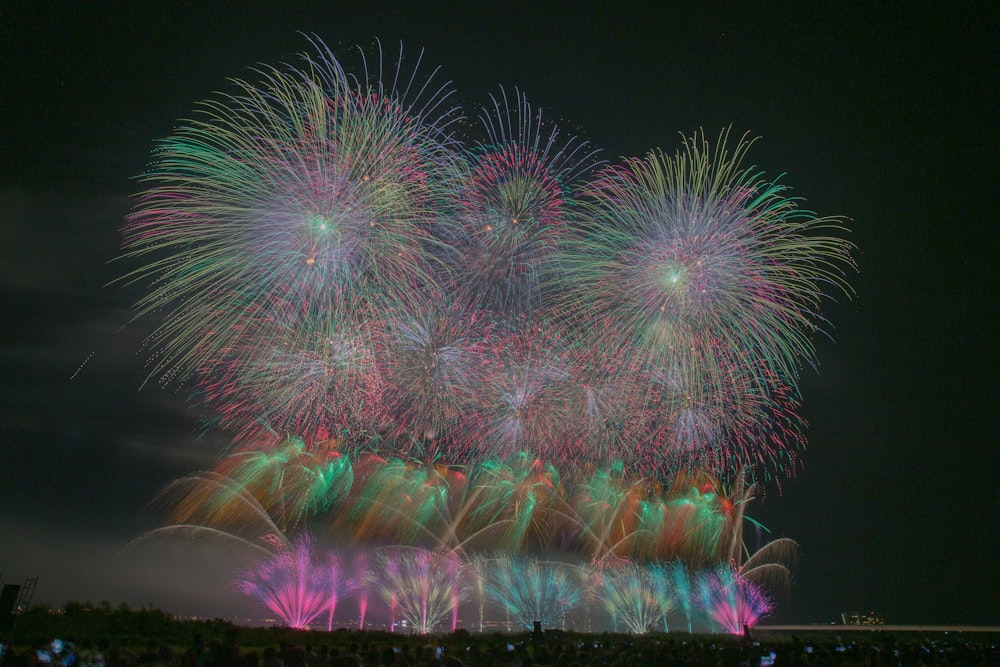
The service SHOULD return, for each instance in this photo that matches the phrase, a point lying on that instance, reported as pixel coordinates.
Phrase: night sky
(886, 116)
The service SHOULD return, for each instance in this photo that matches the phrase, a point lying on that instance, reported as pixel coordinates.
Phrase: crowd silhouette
(84, 636)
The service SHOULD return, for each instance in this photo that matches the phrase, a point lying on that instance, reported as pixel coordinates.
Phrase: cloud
(179, 578)
(85, 449)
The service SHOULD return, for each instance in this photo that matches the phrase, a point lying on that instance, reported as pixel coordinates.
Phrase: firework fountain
(531, 590)
(423, 587)
(298, 583)
(732, 601)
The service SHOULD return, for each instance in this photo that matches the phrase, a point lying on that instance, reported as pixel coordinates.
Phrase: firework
(520, 505)
(510, 505)
(732, 601)
(603, 425)
(465, 348)
(331, 263)
(297, 583)
(492, 506)
(531, 590)
(525, 402)
(363, 580)
(317, 380)
(674, 582)
(632, 596)
(770, 566)
(434, 355)
(273, 486)
(514, 206)
(290, 197)
(401, 503)
(712, 278)
(691, 518)
(291, 483)
(697, 252)
(423, 587)
(738, 418)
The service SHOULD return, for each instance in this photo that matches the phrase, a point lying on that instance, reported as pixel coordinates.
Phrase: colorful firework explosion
(331, 261)
(519, 505)
(290, 198)
(495, 344)
(514, 207)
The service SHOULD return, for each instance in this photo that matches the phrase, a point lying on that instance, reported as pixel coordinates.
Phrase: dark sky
(885, 115)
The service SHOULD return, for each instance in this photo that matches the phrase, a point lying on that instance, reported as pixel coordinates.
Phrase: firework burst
(285, 198)
(409, 337)
(514, 206)
(318, 380)
(434, 355)
(631, 595)
(697, 252)
(525, 402)
(739, 417)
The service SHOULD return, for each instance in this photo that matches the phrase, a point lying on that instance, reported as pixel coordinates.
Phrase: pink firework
(297, 584)
(732, 601)
(714, 412)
